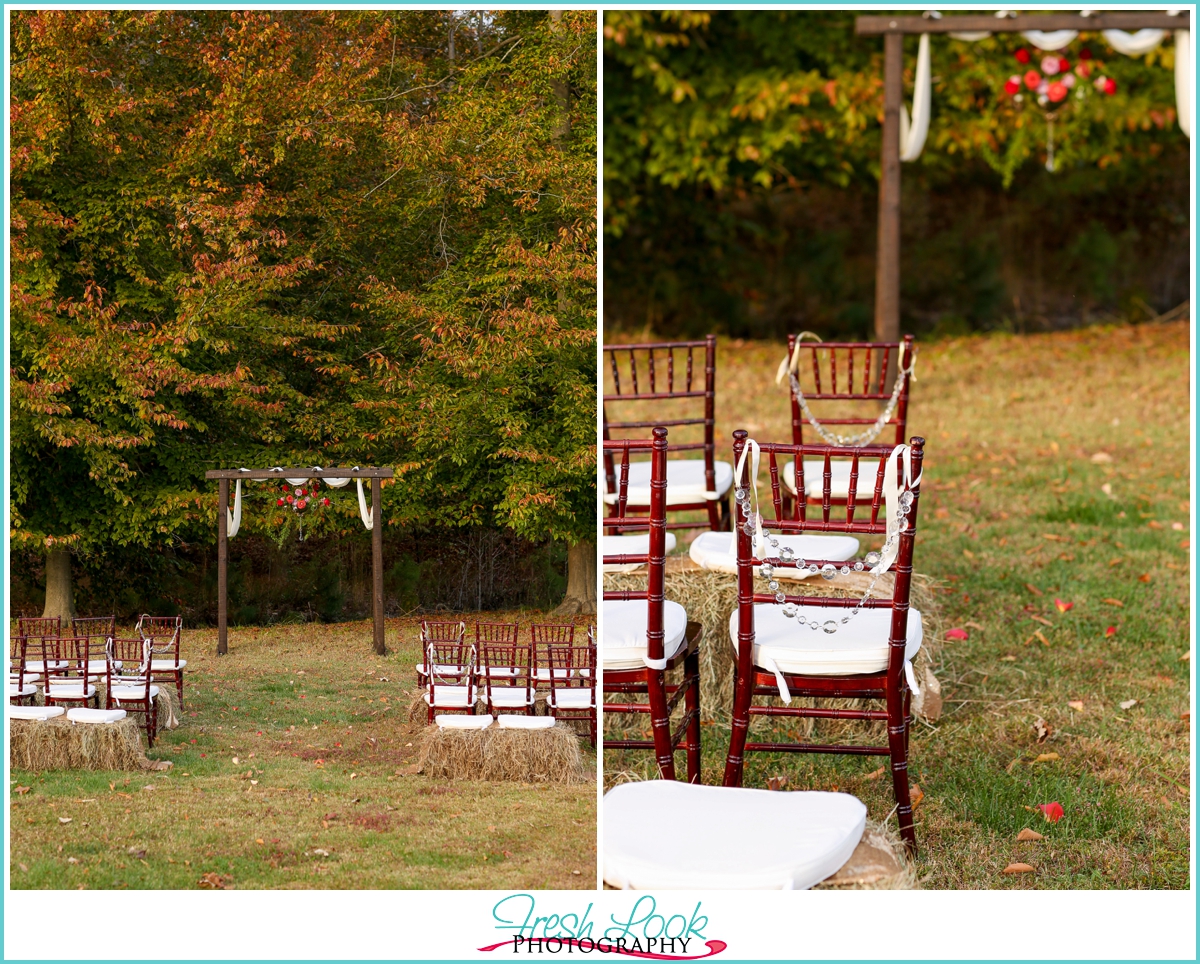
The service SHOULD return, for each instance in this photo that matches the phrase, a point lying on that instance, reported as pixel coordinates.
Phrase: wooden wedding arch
(893, 29)
(376, 475)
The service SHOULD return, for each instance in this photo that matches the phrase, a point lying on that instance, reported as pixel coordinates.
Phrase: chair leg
(660, 723)
(735, 760)
(179, 687)
(714, 515)
(691, 702)
(898, 746)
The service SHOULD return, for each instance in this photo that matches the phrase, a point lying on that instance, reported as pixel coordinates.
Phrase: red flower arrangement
(301, 498)
(1056, 79)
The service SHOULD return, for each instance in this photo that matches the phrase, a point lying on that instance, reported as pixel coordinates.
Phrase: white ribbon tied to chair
(912, 132)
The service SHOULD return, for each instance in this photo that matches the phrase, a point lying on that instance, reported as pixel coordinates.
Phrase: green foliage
(257, 238)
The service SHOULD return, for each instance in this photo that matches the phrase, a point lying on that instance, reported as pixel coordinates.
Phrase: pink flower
(1068, 81)
(1050, 65)
(299, 492)
(956, 633)
(1052, 811)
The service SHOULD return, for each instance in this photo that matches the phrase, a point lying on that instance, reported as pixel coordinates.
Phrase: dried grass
(515, 756)
(61, 745)
(889, 869)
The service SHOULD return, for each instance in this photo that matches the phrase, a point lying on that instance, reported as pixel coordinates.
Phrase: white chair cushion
(511, 696)
(525, 722)
(20, 692)
(839, 479)
(544, 674)
(500, 672)
(40, 713)
(631, 545)
(38, 666)
(442, 669)
(623, 645)
(132, 692)
(95, 716)
(452, 696)
(66, 691)
(99, 667)
(726, 838)
(463, 722)
(575, 698)
(713, 550)
(685, 482)
(164, 665)
(859, 646)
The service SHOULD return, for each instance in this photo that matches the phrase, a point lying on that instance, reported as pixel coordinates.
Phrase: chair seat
(99, 667)
(839, 478)
(450, 696)
(726, 838)
(716, 551)
(685, 482)
(574, 698)
(500, 672)
(39, 713)
(71, 691)
(543, 674)
(442, 669)
(20, 692)
(631, 545)
(39, 666)
(463, 722)
(525, 722)
(132, 693)
(623, 645)
(166, 665)
(859, 646)
(511, 696)
(95, 716)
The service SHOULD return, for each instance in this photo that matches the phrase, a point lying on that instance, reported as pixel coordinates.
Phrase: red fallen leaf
(1052, 811)
(1062, 607)
(1144, 577)
(204, 754)
(956, 634)
(1111, 631)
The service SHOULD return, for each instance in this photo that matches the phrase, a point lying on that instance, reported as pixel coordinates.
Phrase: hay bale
(878, 863)
(167, 705)
(518, 756)
(60, 745)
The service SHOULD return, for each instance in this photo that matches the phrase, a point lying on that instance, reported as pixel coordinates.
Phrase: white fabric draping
(363, 511)
(1183, 80)
(1134, 44)
(234, 521)
(1050, 40)
(912, 133)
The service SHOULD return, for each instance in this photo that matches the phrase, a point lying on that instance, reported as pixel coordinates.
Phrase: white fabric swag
(234, 517)
(914, 130)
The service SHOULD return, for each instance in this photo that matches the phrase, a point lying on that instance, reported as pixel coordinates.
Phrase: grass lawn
(293, 769)
(1020, 508)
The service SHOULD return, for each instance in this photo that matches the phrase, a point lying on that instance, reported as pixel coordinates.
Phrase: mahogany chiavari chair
(542, 635)
(819, 647)
(166, 636)
(844, 377)
(450, 678)
(573, 682)
(130, 680)
(497, 635)
(450, 637)
(100, 628)
(22, 685)
(646, 636)
(36, 629)
(71, 684)
(649, 372)
(506, 668)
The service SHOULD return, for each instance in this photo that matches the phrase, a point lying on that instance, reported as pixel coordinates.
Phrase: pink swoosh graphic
(714, 947)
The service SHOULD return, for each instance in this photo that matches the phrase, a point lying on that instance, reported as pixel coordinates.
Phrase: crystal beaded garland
(827, 571)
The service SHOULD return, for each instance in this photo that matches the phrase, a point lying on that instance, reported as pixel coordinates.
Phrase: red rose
(1012, 85)
(1085, 54)
(1063, 65)
(1084, 70)
(1032, 79)
(291, 498)
(281, 502)
(1057, 92)
(1022, 56)
(304, 492)
(301, 504)
(1110, 86)
(324, 502)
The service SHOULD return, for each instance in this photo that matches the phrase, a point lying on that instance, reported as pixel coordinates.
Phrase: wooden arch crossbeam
(376, 475)
(893, 29)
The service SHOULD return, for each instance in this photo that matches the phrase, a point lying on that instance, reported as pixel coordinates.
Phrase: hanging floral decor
(296, 501)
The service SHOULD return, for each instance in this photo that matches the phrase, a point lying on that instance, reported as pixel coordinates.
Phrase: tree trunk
(581, 581)
(60, 593)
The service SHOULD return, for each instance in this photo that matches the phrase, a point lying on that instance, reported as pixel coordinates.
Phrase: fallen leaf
(1186, 544)
(974, 626)
(1186, 717)
(1106, 488)
(1053, 537)
(776, 783)
(1115, 562)
(1063, 607)
(72, 860)
(1045, 641)
(321, 852)
(1178, 526)
(1052, 811)
(1040, 619)
(1102, 457)
(1111, 631)
(213, 881)
(1128, 704)
(23, 867)
(1154, 524)
(259, 840)
(875, 774)
(140, 854)
(1034, 589)
(1114, 602)
(1144, 577)
(149, 786)
(1047, 757)
(1185, 657)
(957, 634)
(1043, 729)
(1076, 705)
(916, 795)
(64, 819)
(20, 790)
(1008, 658)
(1028, 834)
(1018, 869)
(235, 760)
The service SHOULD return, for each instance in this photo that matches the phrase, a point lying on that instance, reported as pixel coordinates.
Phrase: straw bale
(519, 756)
(60, 745)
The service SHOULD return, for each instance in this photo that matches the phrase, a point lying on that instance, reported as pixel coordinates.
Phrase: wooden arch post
(893, 29)
(224, 475)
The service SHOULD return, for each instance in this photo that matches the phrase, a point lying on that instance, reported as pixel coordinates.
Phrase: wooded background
(258, 238)
(741, 183)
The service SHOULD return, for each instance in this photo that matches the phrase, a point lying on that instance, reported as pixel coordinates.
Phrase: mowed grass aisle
(293, 768)
(1056, 468)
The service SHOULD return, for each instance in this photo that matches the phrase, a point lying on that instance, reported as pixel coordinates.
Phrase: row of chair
(823, 497)
(503, 672)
